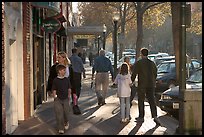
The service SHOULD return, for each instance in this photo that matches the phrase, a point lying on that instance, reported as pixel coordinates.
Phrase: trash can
(193, 111)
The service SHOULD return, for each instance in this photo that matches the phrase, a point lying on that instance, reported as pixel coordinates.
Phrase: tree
(140, 8)
(196, 18)
(126, 14)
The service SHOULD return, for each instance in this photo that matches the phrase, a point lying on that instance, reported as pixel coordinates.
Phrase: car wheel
(172, 83)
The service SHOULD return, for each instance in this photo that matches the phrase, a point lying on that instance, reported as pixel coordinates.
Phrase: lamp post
(104, 36)
(116, 17)
(98, 44)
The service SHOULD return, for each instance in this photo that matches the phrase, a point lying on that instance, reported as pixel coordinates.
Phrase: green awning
(53, 7)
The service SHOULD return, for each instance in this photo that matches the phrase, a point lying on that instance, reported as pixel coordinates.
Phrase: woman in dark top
(61, 59)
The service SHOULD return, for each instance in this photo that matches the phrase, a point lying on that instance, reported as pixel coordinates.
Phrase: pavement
(97, 120)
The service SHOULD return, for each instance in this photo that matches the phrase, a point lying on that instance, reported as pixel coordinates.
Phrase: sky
(74, 5)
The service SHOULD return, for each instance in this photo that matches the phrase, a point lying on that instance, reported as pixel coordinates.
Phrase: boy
(61, 91)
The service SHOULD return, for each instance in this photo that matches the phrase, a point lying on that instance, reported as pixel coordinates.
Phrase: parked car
(159, 60)
(158, 55)
(121, 61)
(166, 76)
(196, 63)
(129, 52)
(169, 100)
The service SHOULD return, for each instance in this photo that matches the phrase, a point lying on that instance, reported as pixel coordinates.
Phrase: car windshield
(165, 67)
(196, 77)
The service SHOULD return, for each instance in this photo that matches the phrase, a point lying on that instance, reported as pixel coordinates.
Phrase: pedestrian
(123, 80)
(102, 65)
(61, 89)
(76, 71)
(147, 73)
(90, 58)
(80, 55)
(133, 86)
(61, 59)
(127, 60)
(84, 56)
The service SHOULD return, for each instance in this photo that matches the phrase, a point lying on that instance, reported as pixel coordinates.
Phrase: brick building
(27, 54)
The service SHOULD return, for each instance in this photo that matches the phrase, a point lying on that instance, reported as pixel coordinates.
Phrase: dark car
(169, 100)
(166, 76)
(196, 63)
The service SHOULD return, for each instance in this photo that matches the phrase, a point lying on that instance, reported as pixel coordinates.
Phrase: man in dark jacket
(147, 73)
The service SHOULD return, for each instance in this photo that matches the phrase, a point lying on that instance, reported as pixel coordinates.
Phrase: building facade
(28, 51)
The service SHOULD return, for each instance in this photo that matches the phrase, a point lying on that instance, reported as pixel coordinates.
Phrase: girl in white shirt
(123, 80)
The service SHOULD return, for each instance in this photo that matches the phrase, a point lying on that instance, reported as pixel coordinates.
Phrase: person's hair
(60, 67)
(144, 51)
(126, 58)
(124, 69)
(74, 50)
(80, 54)
(102, 52)
(64, 55)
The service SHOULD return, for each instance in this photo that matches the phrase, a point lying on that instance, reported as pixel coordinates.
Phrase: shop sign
(51, 25)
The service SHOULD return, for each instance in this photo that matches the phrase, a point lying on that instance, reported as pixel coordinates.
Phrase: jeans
(61, 108)
(124, 107)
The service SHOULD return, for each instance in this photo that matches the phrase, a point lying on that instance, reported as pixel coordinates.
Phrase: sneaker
(66, 126)
(127, 119)
(103, 103)
(157, 121)
(61, 131)
(123, 120)
(140, 119)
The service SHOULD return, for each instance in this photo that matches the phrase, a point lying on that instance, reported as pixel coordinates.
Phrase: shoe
(103, 103)
(157, 121)
(100, 101)
(139, 119)
(61, 131)
(66, 126)
(127, 119)
(130, 117)
(123, 120)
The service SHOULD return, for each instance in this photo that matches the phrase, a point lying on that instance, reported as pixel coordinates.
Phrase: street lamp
(104, 36)
(98, 44)
(116, 17)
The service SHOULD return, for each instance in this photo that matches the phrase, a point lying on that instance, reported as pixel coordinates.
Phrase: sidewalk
(97, 120)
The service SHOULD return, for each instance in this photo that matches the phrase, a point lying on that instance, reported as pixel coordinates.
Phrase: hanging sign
(51, 25)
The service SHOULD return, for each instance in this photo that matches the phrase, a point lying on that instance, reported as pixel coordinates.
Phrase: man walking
(147, 73)
(102, 65)
(77, 69)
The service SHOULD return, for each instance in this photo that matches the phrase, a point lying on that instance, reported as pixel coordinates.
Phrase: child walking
(61, 91)
(123, 80)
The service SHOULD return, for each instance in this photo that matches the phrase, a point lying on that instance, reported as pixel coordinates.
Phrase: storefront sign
(51, 25)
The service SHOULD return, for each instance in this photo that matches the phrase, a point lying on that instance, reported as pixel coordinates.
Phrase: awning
(53, 7)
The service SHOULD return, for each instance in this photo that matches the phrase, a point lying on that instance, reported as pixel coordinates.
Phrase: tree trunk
(139, 32)
(123, 22)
